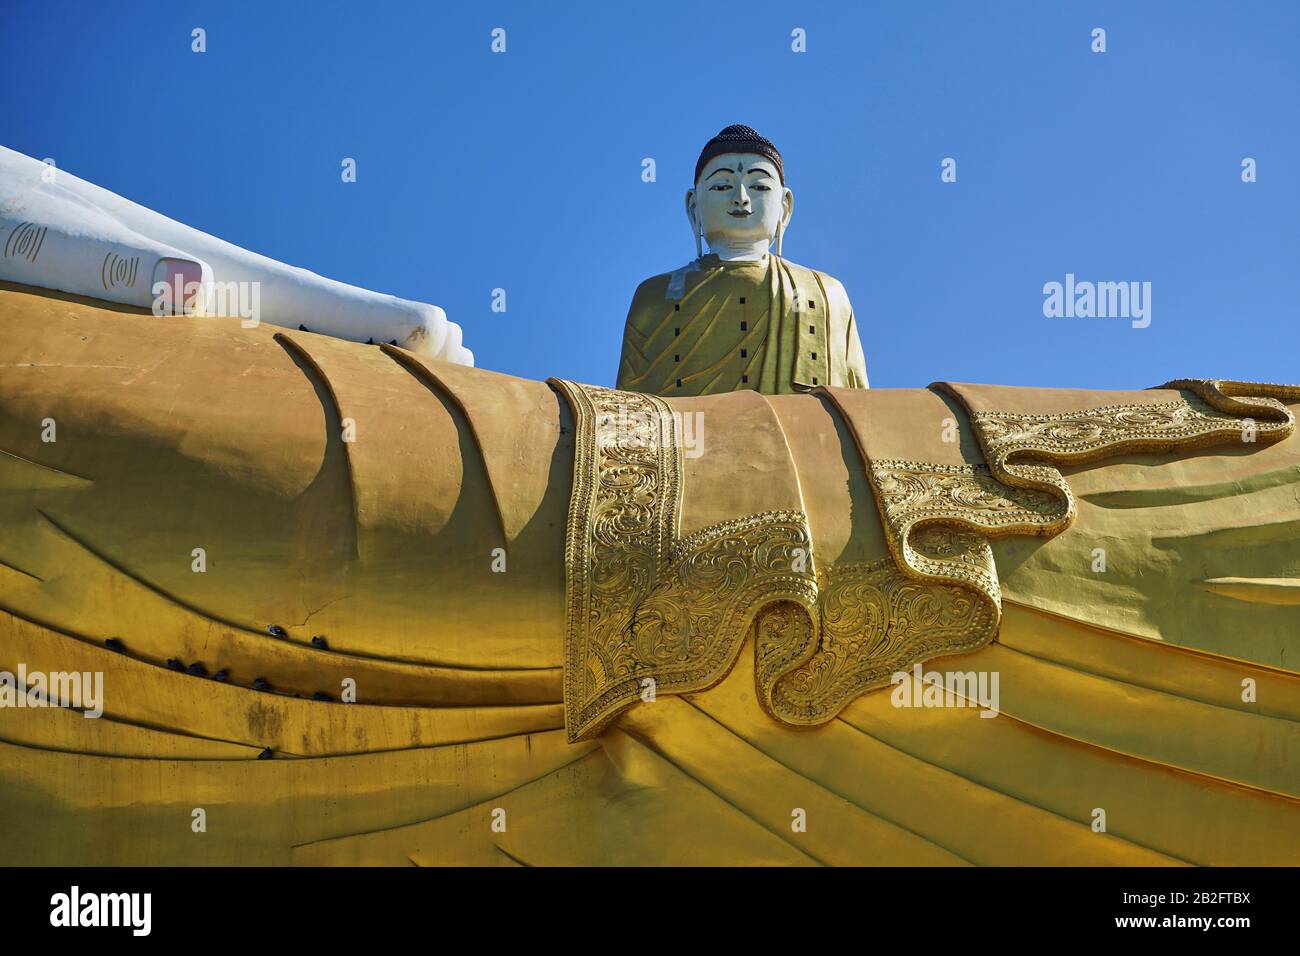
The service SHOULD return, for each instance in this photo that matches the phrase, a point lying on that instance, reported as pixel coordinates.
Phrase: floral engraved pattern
(874, 621)
(1022, 450)
(693, 624)
(645, 608)
(937, 518)
(622, 525)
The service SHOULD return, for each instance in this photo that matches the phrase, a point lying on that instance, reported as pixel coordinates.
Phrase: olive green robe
(715, 326)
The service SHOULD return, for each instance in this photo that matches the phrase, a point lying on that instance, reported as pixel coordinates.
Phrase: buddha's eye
(761, 187)
(719, 187)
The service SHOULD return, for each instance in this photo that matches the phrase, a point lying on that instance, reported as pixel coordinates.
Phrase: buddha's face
(739, 199)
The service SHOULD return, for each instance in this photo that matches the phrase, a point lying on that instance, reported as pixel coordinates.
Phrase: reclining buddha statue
(361, 605)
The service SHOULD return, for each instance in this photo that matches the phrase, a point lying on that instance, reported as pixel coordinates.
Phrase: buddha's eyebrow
(720, 169)
(760, 169)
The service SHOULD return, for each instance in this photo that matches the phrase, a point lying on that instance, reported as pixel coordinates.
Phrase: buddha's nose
(741, 199)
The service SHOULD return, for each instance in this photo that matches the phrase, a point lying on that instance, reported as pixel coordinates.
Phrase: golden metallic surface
(1121, 690)
(650, 613)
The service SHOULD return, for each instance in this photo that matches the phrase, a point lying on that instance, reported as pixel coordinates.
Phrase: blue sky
(523, 170)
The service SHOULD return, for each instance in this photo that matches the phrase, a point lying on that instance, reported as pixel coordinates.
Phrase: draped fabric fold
(951, 468)
(1163, 691)
(648, 612)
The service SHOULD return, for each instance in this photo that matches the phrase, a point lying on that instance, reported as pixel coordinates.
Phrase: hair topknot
(740, 139)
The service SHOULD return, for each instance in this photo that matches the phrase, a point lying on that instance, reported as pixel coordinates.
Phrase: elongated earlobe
(786, 213)
(695, 224)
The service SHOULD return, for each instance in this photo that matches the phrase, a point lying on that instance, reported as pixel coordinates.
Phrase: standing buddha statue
(740, 317)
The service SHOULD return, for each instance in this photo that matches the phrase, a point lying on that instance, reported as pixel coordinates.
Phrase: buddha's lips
(740, 214)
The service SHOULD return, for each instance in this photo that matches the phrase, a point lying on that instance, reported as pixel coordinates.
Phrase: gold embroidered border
(875, 621)
(1022, 450)
(694, 624)
(623, 520)
(642, 604)
(936, 518)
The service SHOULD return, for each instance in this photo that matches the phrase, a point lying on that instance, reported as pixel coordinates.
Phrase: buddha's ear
(690, 211)
(787, 208)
